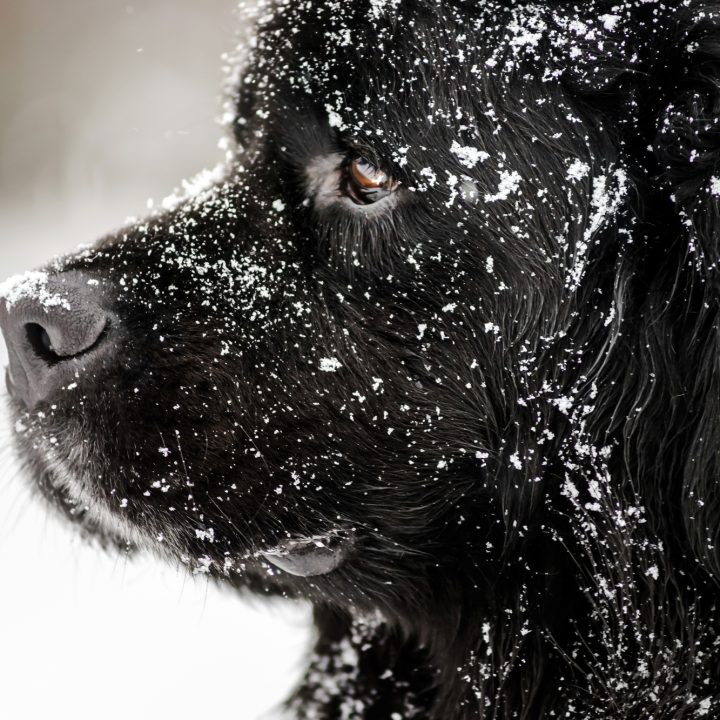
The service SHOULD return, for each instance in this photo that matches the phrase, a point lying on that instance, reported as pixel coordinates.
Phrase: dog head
(362, 355)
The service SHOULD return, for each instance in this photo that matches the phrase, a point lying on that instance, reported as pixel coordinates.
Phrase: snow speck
(196, 187)
(563, 404)
(486, 633)
(334, 119)
(578, 170)
(610, 21)
(570, 490)
(381, 7)
(208, 535)
(509, 183)
(203, 566)
(467, 155)
(527, 29)
(330, 364)
(429, 173)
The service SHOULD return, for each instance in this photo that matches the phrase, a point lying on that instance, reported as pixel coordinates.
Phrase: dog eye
(366, 183)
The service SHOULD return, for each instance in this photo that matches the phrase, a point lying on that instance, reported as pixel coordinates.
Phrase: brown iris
(367, 183)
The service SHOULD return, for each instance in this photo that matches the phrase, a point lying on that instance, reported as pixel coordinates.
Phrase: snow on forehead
(362, 56)
(354, 58)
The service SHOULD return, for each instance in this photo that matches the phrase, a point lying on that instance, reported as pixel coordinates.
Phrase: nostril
(41, 343)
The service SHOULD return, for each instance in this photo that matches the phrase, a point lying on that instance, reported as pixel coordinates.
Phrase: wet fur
(537, 536)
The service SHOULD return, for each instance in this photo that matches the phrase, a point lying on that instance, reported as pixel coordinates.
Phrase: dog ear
(688, 140)
(687, 148)
(653, 72)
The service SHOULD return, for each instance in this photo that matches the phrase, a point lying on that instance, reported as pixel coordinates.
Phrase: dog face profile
(436, 349)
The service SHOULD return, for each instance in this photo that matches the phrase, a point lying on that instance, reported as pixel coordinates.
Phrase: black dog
(439, 351)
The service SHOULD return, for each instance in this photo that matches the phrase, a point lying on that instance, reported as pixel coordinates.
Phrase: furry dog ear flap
(687, 148)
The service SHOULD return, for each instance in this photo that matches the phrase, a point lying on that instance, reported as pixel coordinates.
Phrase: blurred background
(104, 104)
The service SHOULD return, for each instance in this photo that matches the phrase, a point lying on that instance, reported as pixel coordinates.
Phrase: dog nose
(50, 323)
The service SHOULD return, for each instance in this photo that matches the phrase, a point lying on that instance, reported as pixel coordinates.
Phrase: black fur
(521, 434)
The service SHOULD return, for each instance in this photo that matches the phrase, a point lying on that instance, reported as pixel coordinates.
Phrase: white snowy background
(104, 105)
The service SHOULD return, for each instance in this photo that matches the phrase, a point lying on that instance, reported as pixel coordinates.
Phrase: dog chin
(72, 494)
(96, 521)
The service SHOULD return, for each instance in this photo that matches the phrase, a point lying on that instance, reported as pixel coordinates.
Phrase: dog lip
(311, 556)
